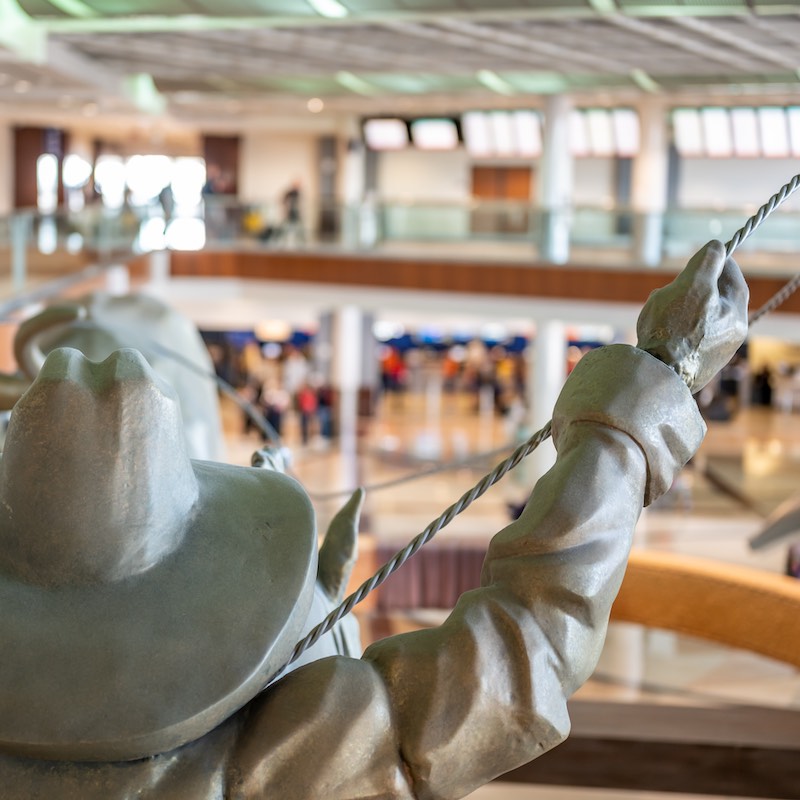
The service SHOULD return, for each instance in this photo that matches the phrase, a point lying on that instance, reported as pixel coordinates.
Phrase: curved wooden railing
(693, 746)
(745, 608)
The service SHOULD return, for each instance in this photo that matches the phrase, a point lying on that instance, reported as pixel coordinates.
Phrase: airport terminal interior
(398, 226)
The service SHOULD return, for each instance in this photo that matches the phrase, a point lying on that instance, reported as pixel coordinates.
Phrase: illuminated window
(745, 132)
(688, 133)
(109, 177)
(528, 130)
(434, 134)
(146, 176)
(477, 134)
(188, 179)
(578, 134)
(774, 132)
(386, 134)
(626, 131)
(47, 183)
(717, 132)
(76, 171)
(601, 135)
(794, 130)
(502, 133)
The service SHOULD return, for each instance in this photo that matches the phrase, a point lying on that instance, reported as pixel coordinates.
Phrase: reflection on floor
(758, 453)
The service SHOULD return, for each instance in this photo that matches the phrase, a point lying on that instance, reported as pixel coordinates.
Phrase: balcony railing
(31, 242)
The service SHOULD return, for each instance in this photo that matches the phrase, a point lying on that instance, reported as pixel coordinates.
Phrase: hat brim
(144, 665)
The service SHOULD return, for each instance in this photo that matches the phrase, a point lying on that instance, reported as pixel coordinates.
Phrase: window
(386, 134)
(434, 134)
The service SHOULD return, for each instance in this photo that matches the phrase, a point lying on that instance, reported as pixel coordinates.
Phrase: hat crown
(95, 481)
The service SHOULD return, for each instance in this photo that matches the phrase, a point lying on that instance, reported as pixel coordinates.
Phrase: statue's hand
(696, 323)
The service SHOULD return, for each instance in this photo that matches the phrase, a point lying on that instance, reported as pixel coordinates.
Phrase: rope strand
(480, 488)
(521, 452)
(755, 221)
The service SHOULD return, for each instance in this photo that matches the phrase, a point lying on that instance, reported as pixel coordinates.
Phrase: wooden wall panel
(509, 279)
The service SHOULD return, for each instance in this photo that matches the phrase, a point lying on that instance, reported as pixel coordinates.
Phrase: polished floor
(755, 455)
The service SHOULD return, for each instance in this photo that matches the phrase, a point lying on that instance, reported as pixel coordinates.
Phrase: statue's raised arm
(146, 596)
(437, 713)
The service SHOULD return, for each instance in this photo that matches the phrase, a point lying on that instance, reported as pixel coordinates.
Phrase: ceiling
(235, 62)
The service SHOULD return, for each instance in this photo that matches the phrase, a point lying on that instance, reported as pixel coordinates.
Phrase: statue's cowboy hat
(145, 597)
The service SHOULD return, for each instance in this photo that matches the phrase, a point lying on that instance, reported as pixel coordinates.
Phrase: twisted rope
(777, 299)
(480, 488)
(755, 221)
(749, 227)
(525, 449)
(448, 466)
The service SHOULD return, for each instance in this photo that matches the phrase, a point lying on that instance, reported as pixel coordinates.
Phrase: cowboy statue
(148, 598)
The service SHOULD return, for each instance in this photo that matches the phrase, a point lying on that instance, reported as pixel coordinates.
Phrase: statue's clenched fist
(696, 323)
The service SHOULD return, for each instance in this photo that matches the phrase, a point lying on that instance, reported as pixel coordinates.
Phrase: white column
(547, 371)
(555, 180)
(354, 175)
(118, 279)
(6, 169)
(21, 232)
(346, 363)
(159, 262)
(649, 189)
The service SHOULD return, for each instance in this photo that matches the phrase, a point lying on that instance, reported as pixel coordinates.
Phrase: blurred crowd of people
(472, 368)
(280, 380)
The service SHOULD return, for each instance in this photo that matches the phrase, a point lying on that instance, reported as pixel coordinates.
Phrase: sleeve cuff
(626, 388)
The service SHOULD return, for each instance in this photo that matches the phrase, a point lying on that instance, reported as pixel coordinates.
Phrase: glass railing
(32, 243)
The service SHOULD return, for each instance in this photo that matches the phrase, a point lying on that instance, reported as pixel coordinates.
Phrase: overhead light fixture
(142, 91)
(315, 105)
(604, 6)
(329, 8)
(644, 81)
(74, 8)
(354, 83)
(491, 80)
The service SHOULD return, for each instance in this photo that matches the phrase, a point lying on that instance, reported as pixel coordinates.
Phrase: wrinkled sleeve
(486, 691)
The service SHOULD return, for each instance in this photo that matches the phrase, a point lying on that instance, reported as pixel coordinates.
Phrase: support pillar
(351, 358)
(360, 216)
(649, 191)
(21, 232)
(346, 363)
(353, 184)
(160, 266)
(547, 371)
(345, 354)
(6, 170)
(118, 279)
(555, 180)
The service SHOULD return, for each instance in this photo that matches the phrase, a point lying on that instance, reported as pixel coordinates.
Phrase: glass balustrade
(51, 244)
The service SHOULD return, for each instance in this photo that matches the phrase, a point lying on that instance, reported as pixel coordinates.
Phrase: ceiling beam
(729, 39)
(438, 32)
(195, 22)
(528, 44)
(71, 62)
(679, 41)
